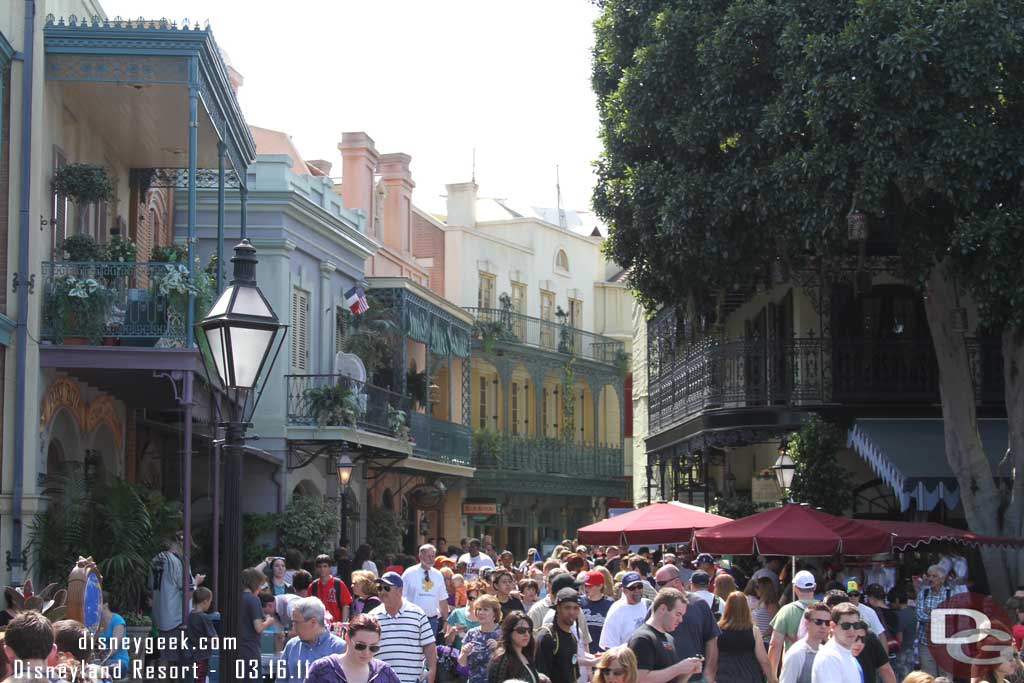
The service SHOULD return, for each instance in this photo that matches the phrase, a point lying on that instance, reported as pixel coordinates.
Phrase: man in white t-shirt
(834, 662)
(627, 614)
(424, 586)
(798, 662)
(869, 615)
(699, 584)
(475, 560)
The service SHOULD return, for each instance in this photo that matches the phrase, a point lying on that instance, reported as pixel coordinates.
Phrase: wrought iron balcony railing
(126, 303)
(510, 327)
(441, 440)
(340, 401)
(713, 374)
(552, 456)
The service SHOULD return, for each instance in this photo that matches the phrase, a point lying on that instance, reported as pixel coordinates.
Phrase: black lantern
(241, 328)
(344, 466)
(784, 468)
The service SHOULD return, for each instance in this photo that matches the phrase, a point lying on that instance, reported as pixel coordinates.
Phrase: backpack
(337, 591)
(716, 608)
(550, 628)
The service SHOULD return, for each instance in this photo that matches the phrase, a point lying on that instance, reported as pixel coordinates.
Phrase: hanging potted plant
(79, 306)
(332, 404)
(397, 423)
(83, 183)
(81, 248)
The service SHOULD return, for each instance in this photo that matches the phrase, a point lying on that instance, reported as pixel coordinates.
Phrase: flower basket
(83, 183)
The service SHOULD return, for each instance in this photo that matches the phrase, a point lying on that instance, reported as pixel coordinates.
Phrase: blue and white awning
(910, 456)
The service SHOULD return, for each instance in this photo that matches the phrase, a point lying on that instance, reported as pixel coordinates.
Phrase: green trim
(6, 328)
(6, 51)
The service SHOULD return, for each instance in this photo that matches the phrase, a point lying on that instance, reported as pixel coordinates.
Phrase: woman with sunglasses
(515, 654)
(480, 643)
(617, 665)
(357, 664)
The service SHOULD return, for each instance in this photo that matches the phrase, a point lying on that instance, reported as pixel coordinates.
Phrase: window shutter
(300, 326)
(339, 331)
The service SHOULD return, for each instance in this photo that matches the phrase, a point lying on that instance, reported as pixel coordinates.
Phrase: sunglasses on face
(386, 588)
(819, 622)
(662, 584)
(363, 646)
(860, 639)
(855, 625)
(522, 630)
(638, 587)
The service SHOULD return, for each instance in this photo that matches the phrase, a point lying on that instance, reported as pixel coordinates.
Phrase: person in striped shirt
(407, 642)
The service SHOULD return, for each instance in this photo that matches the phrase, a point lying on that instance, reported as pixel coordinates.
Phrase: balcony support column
(451, 390)
(193, 150)
(221, 151)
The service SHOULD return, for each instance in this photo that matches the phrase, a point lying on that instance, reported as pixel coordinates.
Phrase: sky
(431, 78)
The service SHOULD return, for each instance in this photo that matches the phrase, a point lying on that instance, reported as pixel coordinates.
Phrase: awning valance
(910, 456)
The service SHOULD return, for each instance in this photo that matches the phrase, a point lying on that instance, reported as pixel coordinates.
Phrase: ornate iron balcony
(510, 327)
(551, 456)
(139, 304)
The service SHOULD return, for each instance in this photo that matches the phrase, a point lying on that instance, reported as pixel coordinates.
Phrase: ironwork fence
(441, 440)
(508, 326)
(338, 400)
(713, 373)
(138, 303)
(552, 456)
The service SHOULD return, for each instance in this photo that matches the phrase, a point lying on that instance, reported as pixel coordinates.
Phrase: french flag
(355, 299)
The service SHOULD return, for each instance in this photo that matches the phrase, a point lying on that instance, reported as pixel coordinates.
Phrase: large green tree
(738, 132)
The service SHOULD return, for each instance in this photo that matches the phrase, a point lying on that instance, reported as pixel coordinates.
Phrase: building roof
(277, 142)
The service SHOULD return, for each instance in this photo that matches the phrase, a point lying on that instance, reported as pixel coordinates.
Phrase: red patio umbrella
(656, 523)
(793, 529)
(912, 534)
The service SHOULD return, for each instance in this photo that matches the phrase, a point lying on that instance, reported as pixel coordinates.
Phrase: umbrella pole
(792, 572)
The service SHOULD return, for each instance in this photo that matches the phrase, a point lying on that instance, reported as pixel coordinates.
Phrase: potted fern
(83, 183)
(398, 423)
(332, 404)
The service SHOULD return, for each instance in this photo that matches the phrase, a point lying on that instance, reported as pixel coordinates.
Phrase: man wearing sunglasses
(406, 638)
(873, 656)
(799, 659)
(835, 662)
(626, 614)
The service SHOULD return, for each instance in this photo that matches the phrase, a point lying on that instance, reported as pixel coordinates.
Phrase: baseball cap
(700, 578)
(562, 581)
(594, 578)
(631, 579)
(567, 595)
(704, 558)
(391, 579)
(852, 588)
(804, 580)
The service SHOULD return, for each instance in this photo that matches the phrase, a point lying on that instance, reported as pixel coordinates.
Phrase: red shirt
(1018, 635)
(327, 593)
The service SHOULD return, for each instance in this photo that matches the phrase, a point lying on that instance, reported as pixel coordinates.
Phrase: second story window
(339, 331)
(515, 408)
(483, 403)
(300, 330)
(485, 291)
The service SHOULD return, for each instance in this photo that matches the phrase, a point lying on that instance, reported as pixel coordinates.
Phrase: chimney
(462, 204)
(398, 185)
(321, 165)
(358, 164)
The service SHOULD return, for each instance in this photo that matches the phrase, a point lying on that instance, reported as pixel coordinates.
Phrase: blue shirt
(298, 656)
(120, 656)
(595, 612)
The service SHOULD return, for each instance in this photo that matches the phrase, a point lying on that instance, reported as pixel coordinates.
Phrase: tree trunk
(978, 493)
(1013, 378)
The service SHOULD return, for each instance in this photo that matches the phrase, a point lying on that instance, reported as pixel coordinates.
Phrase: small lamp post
(344, 467)
(784, 468)
(240, 331)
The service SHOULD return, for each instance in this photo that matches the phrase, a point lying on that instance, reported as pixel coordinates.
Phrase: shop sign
(479, 508)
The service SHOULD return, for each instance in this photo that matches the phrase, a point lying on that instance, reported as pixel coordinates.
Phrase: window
(483, 402)
(519, 306)
(544, 411)
(339, 330)
(485, 291)
(562, 261)
(576, 322)
(300, 329)
(515, 408)
(547, 314)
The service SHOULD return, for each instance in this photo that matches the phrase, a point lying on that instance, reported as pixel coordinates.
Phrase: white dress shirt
(835, 664)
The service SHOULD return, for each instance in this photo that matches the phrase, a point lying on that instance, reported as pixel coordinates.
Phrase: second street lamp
(240, 332)
(344, 466)
(784, 468)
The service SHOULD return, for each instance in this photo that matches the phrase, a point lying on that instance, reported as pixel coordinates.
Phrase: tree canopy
(739, 131)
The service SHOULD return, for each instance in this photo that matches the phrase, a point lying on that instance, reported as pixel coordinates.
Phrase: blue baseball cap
(631, 579)
(391, 579)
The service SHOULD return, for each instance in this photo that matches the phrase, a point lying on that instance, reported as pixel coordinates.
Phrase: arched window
(562, 260)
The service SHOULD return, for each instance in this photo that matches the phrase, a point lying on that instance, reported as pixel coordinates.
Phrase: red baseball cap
(594, 578)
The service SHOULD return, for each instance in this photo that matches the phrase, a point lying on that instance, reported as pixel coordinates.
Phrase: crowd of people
(580, 615)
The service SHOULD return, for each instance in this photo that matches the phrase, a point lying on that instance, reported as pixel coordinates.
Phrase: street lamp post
(344, 466)
(784, 468)
(240, 331)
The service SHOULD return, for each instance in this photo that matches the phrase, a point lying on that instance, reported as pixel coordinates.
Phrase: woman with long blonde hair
(617, 665)
(741, 654)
